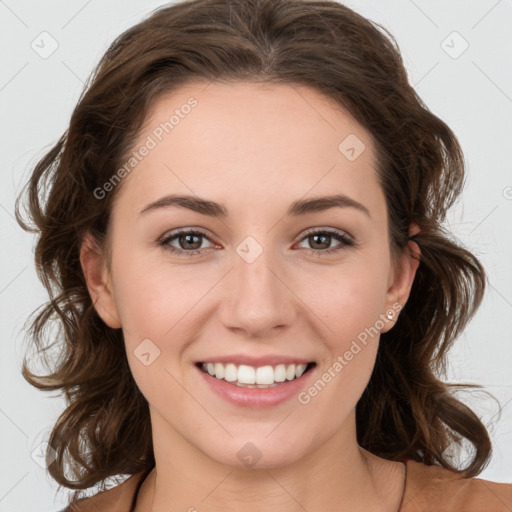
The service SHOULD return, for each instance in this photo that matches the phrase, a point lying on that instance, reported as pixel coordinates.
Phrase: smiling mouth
(255, 377)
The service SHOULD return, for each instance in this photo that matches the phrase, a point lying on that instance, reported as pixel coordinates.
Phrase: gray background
(471, 90)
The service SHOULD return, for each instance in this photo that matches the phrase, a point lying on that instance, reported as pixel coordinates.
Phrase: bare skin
(255, 149)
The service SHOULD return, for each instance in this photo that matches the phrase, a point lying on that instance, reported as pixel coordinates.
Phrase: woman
(243, 243)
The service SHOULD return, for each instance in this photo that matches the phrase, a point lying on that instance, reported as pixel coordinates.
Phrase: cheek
(163, 304)
(348, 298)
(154, 296)
(348, 316)
(150, 296)
(351, 314)
(154, 305)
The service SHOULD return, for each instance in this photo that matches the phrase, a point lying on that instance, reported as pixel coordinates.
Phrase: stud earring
(390, 315)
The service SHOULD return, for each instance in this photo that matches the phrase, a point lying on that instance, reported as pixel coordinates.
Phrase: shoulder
(116, 499)
(430, 488)
(427, 488)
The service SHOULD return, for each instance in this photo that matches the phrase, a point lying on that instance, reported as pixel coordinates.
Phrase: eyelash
(338, 235)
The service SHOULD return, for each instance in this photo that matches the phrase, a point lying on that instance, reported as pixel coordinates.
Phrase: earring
(390, 315)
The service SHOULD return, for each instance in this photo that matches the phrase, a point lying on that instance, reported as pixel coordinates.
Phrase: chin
(257, 451)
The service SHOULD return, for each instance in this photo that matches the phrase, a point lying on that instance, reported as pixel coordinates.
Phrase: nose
(257, 300)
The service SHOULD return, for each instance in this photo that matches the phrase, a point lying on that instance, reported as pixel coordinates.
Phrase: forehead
(251, 139)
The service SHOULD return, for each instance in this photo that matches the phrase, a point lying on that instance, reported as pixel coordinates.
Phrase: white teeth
(280, 373)
(299, 370)
(219, 370)
(248, 376)
(230, 373)
(264, 375)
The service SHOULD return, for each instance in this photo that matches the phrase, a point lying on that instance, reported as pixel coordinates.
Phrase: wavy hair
(406, 410)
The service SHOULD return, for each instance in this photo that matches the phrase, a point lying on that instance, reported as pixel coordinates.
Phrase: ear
(401, 280)
(99, 282)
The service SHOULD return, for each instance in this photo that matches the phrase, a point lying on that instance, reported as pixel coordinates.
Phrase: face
(256, 278)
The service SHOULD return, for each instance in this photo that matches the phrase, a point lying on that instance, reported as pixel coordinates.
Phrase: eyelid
(331, 231)
(184, 231)
(346, 240)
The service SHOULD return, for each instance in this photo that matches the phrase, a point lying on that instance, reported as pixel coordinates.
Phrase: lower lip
(256, 397)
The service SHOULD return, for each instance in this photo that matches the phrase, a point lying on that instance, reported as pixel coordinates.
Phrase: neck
(339, 475)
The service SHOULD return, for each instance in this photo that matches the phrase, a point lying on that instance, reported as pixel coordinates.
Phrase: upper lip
(256, 361)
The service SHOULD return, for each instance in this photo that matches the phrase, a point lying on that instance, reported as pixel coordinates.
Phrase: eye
(189, 242)
(320, 240)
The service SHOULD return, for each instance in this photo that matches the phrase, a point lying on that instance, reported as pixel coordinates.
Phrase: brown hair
(406, 409)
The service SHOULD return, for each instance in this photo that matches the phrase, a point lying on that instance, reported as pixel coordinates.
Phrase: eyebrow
(213, 209)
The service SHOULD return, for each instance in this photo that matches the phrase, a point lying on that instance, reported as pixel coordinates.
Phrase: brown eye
(320, 241)
(188, 242)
